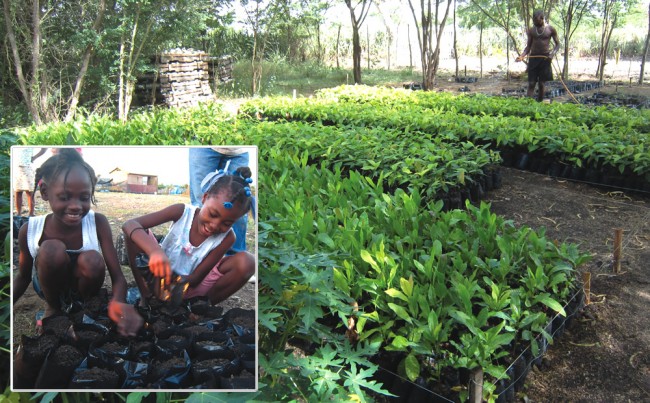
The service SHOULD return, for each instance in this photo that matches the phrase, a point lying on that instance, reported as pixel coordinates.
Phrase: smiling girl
(197, 241)
(65, 253)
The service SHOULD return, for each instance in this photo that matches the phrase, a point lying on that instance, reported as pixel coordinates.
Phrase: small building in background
(133, 182)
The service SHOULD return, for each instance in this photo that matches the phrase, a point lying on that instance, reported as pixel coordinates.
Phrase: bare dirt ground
(119, 207)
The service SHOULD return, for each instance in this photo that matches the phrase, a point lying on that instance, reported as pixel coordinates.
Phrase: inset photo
(134, 268)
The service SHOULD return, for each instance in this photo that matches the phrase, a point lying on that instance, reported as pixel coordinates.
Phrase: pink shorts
(208, 282)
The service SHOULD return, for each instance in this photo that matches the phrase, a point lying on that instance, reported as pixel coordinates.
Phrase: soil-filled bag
(108, 353)
(192, 331)
(248, 359)
(212, 345)
(172, 373)
(134, 373)
(143, 347)
(245, 380)
(171, 343)
(58, 367)
(204, 370)
(85, 377)
(29, 358)
(84, 334)
(59, 325)
(241, 320)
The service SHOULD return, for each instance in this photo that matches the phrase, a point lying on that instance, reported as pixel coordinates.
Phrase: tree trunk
(319, 45)
(356, 40)
(338, 40)
(389, 43)
(36, 82)
(120, 81)
(25, 88)
(567, 24)
(606, 48)
(254, 65)
(429, 55)
(480, 49)
(356, 55)
(408, 38)
(368, 45)
(602, 52)
(645, 50)
(455, 43)
(74, 101)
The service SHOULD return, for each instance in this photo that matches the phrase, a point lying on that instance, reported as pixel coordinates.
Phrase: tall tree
(471, 16)
(613, 13)
(430, 25)
(571, 13)
(261, 15)
(88, 53)
(357, 18)
(645, 50)
(29, 83)
(503, 14)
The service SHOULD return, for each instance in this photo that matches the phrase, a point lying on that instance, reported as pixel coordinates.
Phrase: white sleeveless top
(183, 256)
(88, 233)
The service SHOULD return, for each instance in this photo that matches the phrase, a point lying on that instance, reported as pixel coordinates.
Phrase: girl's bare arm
(105, 236)
(25, 264)
(134, 230)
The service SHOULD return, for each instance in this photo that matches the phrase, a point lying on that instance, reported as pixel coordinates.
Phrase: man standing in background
(539, 57)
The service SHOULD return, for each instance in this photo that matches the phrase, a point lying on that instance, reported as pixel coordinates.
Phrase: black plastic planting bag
(107, 353)
(213, 368)
(29, 358)
(85, 377)
(212, 345)
(84, 334)
(58, 324)
(134, 373)
(171, 343)
(143, 347)
(114, 354)
(172, 373)
(58, 367)
(245, 380)
(241, 320)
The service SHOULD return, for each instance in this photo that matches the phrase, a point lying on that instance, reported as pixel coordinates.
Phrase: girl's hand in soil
(127, 318)
(159, 266)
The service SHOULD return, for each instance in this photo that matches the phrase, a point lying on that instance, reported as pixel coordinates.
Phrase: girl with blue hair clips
(195, 246)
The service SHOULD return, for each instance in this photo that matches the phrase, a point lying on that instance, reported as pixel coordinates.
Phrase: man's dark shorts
(539, 69)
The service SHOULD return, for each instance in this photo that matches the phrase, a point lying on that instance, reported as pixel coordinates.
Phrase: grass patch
(280, 78)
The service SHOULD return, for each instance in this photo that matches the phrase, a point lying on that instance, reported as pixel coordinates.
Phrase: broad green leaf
(412, 367)
(401, 312)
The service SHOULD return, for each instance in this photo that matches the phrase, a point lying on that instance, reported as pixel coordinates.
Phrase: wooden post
(618, 240)
(476, 385)
(586, 287)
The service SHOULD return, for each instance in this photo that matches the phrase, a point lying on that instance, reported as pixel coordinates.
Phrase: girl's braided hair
(236, 186)
(62, 163)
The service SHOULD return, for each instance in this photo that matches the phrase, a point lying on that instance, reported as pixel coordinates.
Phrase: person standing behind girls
(65, 253)
(195, 246)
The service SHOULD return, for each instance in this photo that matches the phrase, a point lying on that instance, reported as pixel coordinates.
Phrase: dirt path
(605, 355)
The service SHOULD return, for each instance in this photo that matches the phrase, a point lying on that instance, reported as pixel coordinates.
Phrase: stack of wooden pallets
(183, 77)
